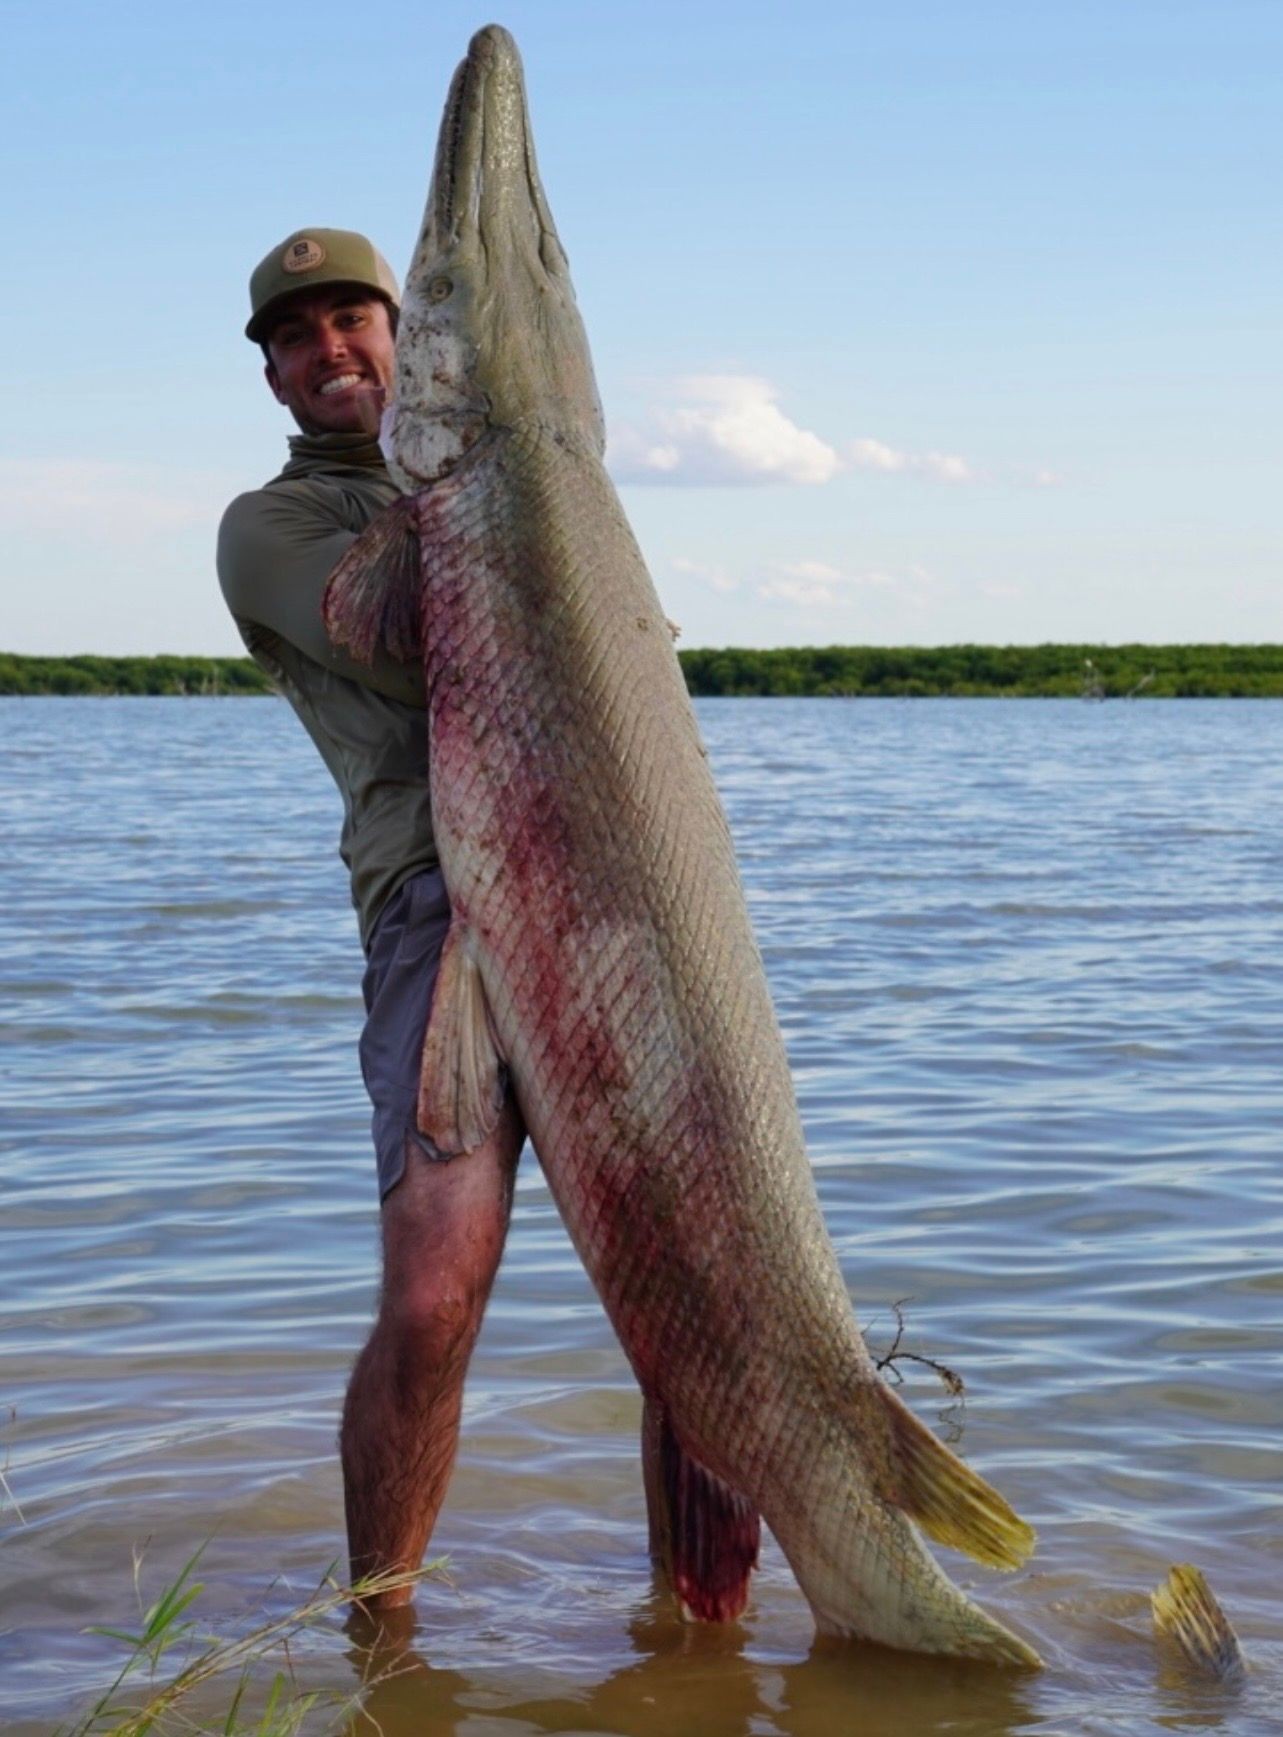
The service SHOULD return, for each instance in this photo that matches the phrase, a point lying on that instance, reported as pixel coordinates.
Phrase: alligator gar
(600, 954)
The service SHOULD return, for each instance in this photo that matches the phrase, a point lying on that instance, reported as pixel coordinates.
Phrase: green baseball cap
(306, 260)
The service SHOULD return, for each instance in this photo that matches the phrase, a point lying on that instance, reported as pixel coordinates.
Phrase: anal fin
(373, 597)
(704, 1536)
(952, 1504)
(461, 1078)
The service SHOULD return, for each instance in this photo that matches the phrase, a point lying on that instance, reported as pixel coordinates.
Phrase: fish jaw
(490, 335)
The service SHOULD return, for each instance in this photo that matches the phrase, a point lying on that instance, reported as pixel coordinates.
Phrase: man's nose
(332, 342)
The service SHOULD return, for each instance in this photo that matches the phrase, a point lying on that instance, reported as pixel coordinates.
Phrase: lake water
(1026, 960)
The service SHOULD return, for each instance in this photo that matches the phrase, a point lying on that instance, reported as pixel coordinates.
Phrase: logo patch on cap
(303, 255)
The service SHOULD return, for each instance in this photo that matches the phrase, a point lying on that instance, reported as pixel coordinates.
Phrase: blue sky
(914, 322)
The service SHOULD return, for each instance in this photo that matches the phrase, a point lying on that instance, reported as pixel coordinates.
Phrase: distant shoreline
(836, 672)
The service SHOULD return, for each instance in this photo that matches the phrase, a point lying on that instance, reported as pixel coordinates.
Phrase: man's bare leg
(443, 1233)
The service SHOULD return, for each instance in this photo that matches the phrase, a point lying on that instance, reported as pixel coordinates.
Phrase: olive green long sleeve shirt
(276, 549)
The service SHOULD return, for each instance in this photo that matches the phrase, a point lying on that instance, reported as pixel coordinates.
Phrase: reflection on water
(680, 1679)
(1024, 960)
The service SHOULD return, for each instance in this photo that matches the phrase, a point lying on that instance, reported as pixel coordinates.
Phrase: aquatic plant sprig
(896, 1355)
(5, 1489)
(166, 1626)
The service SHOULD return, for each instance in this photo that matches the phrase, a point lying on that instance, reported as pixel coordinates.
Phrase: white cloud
(722, 428)
(943, 466)
(663, 458)
(716, 578)
(808, 583)
(948, 467)
(796, 591)
(816, 584)
(729, 428)
(819, 572)
(875, 455)
(93, 500)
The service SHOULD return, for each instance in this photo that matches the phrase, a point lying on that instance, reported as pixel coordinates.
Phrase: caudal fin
(952, 1504)
(1186, 1610)
(704, 1535)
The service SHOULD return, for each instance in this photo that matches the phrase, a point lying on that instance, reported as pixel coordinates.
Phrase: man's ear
(274, 381)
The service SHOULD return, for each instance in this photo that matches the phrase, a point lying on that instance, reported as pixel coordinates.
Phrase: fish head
(490, 335)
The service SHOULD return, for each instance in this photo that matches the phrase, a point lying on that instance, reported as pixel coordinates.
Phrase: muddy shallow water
(1025, 956)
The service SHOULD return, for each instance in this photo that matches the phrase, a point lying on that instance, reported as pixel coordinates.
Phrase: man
(323, 308)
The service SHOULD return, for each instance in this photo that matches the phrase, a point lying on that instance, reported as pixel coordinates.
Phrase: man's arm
(274, 561)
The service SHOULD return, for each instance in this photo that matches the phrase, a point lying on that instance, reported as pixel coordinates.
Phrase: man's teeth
(340, 384)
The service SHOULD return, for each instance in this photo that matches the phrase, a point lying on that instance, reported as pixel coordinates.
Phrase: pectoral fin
(461, 1081)
(374, 594)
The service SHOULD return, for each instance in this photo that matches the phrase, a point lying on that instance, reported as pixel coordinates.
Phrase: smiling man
(323, 307)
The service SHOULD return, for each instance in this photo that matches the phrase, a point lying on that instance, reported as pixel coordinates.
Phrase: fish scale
(681, 903)
(600, 950)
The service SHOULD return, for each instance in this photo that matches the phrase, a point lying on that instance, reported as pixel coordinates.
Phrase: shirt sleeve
(275, 557)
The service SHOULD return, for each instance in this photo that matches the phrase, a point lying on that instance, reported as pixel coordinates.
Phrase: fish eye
(440, 288)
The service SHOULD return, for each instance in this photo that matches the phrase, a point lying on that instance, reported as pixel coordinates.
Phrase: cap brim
(261, 323)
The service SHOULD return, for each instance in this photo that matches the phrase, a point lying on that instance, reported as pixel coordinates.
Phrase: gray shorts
(400, 975)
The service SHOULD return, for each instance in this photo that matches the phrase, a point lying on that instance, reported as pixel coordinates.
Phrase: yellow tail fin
(1185, 1609)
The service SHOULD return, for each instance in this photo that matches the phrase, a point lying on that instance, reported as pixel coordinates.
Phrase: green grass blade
(171, 1605)
(118, 1634)
(238, 1657)
(229, 1724)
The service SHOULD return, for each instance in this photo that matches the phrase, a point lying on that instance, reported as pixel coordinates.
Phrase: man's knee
(433, 1319)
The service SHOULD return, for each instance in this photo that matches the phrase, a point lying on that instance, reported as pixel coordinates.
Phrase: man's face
(330, 359)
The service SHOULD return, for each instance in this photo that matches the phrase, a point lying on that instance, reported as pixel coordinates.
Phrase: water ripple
(1025, 961)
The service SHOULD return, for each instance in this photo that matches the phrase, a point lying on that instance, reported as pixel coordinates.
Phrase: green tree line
(130, 675)
(1023, 671)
